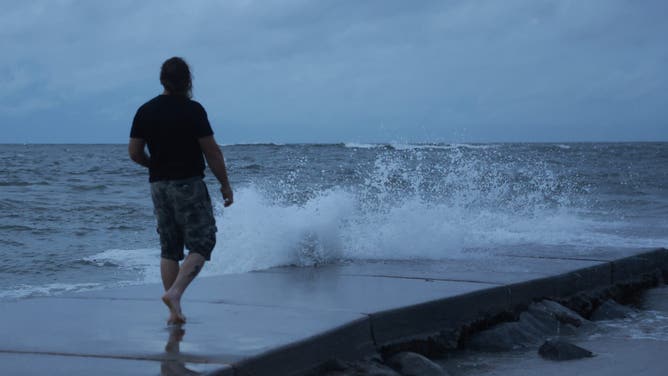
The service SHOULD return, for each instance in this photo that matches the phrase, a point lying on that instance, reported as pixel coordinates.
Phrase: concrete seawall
(285, 321)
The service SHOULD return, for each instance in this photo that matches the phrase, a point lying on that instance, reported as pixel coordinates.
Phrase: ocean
(80, 217)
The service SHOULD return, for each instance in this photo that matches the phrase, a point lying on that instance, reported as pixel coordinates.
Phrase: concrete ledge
(559, 286)
(428, 319)
(634, 268)
(347, 342)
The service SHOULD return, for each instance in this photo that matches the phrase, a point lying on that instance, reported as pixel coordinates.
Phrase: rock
(561, 313)
(360, 368)
(412, 364)
(611, 310)
(333, 373)
(373, 368)
(561, 350)
(333, 367)
(529, 331)
(541, 324)
(581, 303)
(503, 337)
(555, 319)
(543, 319)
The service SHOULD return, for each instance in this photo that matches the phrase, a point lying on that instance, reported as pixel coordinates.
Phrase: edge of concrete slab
(361, 337)
(347, 342)
(633, 268)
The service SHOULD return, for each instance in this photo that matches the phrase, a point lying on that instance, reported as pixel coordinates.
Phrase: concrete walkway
(284, 321)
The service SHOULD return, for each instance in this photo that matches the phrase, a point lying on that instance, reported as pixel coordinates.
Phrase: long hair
(176, 78)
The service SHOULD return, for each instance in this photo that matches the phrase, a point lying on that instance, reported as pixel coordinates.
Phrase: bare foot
(176, 334)
(175, 315)
(175, 320)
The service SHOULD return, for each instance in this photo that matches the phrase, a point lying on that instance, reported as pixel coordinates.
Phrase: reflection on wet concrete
(173, 365)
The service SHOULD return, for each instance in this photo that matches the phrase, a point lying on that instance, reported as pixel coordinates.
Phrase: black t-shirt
(171, 126)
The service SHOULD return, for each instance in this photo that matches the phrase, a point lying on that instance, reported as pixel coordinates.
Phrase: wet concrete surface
(284, 320)
(31, 364)
(219, 333)
(321, 289)
(483, 269)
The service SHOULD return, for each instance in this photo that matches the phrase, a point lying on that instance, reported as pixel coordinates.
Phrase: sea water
(77, 217)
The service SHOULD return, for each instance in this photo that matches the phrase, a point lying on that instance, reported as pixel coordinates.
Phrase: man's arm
(137, 152)
(216, 162)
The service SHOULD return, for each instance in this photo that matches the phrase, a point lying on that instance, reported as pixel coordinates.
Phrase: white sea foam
(356, 145)
(402, 146)
(401, 211)
(650, 325)
(26, 291)
(257, 234)
(254, 144)
(144, 261)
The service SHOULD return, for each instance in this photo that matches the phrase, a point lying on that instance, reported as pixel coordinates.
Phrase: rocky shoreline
(545, 325)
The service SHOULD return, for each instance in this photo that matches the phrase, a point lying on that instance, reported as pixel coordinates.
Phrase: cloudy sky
(341, 70)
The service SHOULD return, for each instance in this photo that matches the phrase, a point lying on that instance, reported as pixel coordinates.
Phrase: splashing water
(315, 204)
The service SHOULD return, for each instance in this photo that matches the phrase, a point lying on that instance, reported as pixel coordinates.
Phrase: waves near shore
(310, 205)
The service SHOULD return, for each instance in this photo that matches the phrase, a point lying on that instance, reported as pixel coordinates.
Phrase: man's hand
(216, 162)
(228, 195)
(137, 152)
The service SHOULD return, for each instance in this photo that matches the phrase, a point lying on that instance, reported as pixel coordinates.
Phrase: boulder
(332, 367)
(561, 350)
(374, 369)
(611, 310)
(529, 331)
(541, 320)
(581, 303)
(555, 319)
(505, 337)
(368, 367)
(412, 364)
(562, 314)
(542, 324)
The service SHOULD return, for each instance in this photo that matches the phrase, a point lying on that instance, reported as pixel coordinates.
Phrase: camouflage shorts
(185, 217)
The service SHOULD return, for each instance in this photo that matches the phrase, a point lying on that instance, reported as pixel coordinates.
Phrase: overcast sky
(341, 70)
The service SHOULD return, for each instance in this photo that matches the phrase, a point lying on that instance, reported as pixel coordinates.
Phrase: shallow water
(76, 217)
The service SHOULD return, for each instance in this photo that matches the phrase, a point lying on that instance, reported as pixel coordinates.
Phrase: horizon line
(276, 143)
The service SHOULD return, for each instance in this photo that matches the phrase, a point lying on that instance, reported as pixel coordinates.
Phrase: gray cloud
(327, 71)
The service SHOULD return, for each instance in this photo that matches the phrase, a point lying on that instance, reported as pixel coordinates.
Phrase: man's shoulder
(161, 102)
(155, 101)
(150, 103)
(196, 104)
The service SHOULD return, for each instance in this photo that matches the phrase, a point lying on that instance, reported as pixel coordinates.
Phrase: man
(177, 132)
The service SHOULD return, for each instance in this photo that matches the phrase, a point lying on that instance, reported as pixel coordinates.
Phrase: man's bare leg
(189, 269)
(169, 269)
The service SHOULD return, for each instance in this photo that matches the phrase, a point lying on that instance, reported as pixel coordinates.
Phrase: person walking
(178, 135)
